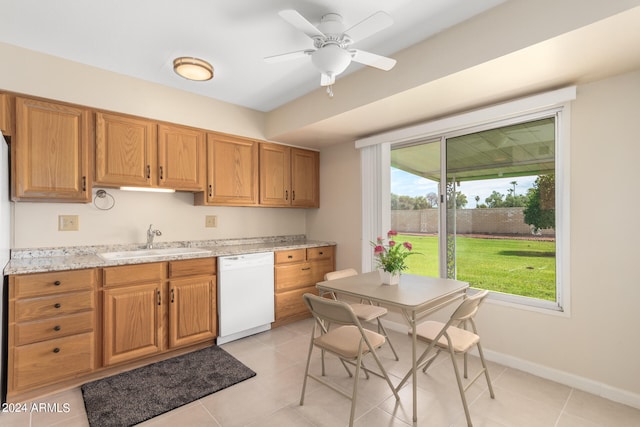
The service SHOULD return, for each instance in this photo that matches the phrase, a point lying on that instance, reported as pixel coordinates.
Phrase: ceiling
(503, 49)
(141, 38)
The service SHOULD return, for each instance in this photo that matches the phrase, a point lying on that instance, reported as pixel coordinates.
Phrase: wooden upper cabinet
(133, 151)
(289, 176)
(232, 172)
(50, 152)
(181, 158)
(6, 114)
(305, 171)
(125, 150)
(275, 175)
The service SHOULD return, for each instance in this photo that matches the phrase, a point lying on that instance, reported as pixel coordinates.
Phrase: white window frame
(376, 196)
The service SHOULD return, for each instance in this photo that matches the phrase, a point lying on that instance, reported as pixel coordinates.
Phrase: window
(479, 202)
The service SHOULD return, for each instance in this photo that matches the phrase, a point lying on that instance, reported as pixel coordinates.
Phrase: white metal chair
(365, 312)
(455, 339)
(349, 341)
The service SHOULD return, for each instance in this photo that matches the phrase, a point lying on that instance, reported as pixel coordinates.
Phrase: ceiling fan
(331, 52)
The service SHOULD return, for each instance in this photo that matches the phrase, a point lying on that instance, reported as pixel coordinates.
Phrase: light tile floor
(272, 397)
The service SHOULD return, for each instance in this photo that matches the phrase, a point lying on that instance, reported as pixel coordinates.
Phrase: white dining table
(415, 297)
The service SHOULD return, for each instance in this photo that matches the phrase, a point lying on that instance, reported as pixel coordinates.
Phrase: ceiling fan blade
(288, 56)
(300, 22)
(369, 26)
(373, 60)
(327, 80)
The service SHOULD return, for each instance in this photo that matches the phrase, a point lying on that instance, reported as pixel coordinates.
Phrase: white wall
(36, 224)
(339, 216)
(596, 347)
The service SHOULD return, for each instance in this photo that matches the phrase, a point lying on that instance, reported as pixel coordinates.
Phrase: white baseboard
(581, 383)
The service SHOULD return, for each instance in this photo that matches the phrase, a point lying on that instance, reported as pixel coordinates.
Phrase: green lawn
(521, 267)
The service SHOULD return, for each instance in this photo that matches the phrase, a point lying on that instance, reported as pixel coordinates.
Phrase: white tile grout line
(564, 407)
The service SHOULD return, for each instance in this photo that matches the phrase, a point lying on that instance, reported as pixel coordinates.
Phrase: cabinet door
(125, 150)
(275, 175)
(232, 175)
(50, 152)
(6, 114)
(181, 158)
(305, 189)
(132, 318)
(192, 310)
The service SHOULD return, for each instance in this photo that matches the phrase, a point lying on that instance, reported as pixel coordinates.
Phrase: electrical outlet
(211, 221)
(68, 223)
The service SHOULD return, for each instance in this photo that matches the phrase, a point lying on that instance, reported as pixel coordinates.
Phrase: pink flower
(378, 250)
(392, 233)
(407, 245)
(379, 240)
(392, 243)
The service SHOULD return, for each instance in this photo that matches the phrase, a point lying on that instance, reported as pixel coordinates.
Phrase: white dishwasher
(245, 295)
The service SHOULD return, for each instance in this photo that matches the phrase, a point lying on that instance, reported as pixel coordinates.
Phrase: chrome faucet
(151, 233)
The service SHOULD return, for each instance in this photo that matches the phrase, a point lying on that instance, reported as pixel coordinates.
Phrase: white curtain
(376, 198)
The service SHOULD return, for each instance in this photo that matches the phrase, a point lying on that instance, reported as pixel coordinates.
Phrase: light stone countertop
(42, 260)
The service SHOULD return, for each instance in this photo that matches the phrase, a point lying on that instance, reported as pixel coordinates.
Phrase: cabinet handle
(161, 174)
(57, 305)
(159, 299)
(286, 194)
(57, 283)
(56, 350)
(306, 268)
(293, 194)
(210, 190)
(289, 256)
(321, 253)
(57, 328)
(172, 296)
(148, 171)
(84, 183)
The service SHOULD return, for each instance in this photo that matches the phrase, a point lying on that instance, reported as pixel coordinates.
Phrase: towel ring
(108, 201)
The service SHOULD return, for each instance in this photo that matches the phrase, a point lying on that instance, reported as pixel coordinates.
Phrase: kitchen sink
(148, 253)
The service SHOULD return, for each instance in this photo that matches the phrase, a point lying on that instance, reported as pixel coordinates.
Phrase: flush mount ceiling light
(193, 68)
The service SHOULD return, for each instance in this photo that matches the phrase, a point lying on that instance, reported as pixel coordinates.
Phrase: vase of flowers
(391, 257)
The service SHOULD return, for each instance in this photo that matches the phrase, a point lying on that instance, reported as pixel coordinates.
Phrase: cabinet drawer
(125, 274)
(324, 252)
(320, 268)
(48, 361)
(31, 285)
(292, 276)
(55, 305)
(294, 255)
(192, 267)
(55, 327)
(291, 303)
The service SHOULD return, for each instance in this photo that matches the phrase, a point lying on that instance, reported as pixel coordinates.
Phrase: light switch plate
(68, 223)
(211, 221)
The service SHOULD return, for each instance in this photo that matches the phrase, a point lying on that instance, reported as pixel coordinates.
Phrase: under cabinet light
(149, 189)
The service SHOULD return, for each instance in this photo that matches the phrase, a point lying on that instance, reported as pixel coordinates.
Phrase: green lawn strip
(520, 267)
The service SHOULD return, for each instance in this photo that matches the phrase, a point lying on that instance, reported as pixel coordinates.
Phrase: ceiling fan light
(331, 59)
(193, 68)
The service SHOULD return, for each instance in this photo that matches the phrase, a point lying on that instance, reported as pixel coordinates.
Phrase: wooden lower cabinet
(132, 317)
(52, 328)
(154, 308)
(192, 302)
(296, 273)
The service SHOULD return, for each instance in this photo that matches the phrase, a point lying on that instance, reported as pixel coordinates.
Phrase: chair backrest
(340, 274)
(469, 307)
(329, 310)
